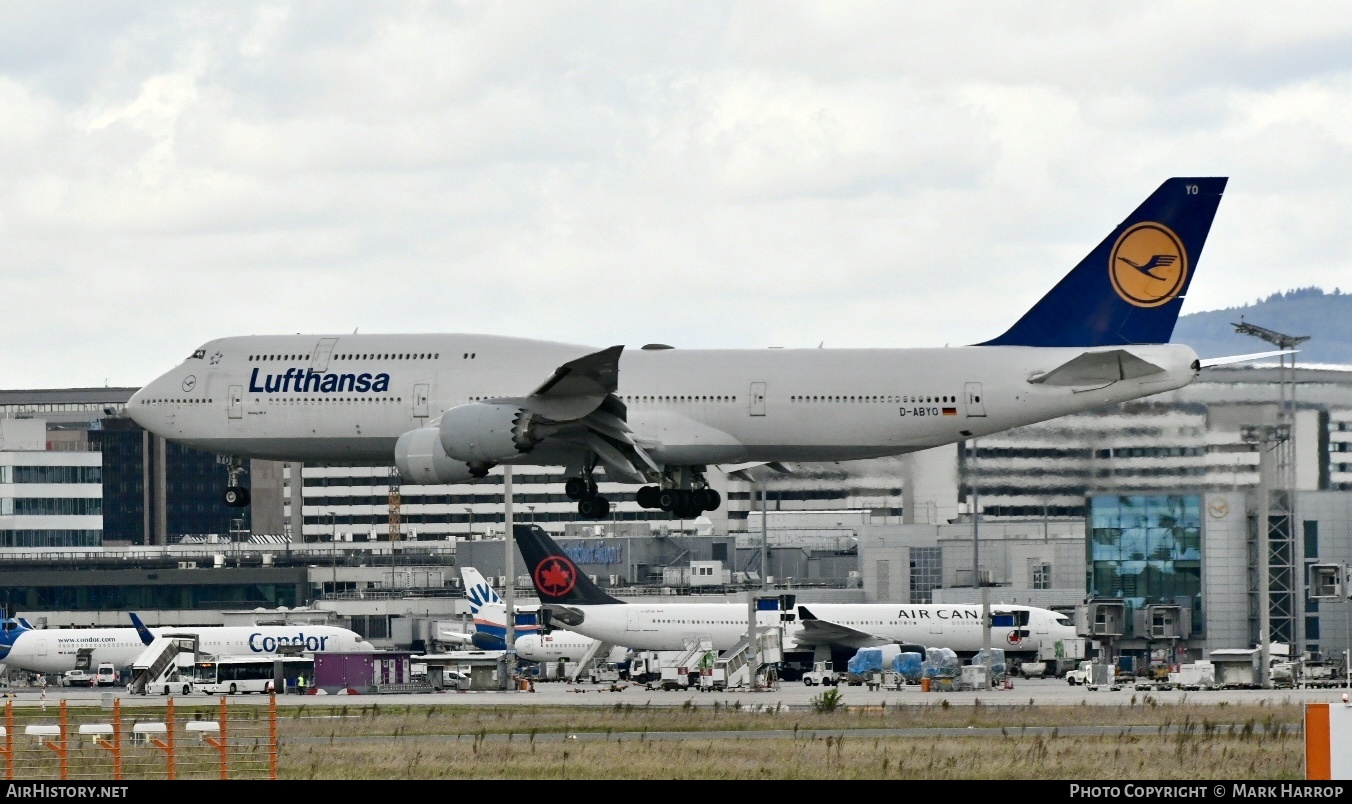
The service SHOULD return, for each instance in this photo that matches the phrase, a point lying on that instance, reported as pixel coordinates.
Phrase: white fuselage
(55, 650)
(560, 646)
(347, 398)
(664, 627)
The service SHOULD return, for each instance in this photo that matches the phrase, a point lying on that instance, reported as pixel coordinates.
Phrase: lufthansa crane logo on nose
(555, 576)
(189, 383)
(1148, 265)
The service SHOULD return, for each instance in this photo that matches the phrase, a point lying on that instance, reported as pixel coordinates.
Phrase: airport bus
(236, 674)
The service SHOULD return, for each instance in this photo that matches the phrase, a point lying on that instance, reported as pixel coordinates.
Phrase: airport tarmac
(1049, 692)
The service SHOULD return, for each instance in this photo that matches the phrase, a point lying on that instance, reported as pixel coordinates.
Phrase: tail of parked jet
(555, 576)
(490, 613)
(10, 629)
(1130, 288)
(141, 630)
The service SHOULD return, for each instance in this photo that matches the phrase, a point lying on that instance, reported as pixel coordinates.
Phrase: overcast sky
(694, 173)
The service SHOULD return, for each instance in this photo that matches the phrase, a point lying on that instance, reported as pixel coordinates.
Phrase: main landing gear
(684, 493)
(590, 505)
(680, 503)
(236, 496)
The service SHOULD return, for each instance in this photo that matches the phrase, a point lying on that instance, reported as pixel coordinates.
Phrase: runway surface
(1049, 692)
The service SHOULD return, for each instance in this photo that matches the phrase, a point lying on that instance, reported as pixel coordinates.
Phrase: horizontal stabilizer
(1098, 369)
(1223, 361)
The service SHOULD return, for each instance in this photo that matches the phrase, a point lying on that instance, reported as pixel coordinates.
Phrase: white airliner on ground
(55, 650)
(570, 600)
(446, 408)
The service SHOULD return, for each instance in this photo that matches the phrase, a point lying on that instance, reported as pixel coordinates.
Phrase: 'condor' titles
(309, 381)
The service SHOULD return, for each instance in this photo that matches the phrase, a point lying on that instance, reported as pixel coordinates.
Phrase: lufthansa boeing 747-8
(447, 408)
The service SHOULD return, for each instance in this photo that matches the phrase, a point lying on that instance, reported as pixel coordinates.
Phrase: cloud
(712, 174)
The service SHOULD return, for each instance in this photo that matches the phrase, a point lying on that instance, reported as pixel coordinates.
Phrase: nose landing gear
(236, 496)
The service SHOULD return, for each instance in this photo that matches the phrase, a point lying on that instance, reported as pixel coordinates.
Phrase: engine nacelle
(486, 433)
(421, 460)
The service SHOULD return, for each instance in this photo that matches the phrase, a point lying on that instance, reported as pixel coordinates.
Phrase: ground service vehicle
(77, 678)
(106, 675)
(236, 674)
(821, 674)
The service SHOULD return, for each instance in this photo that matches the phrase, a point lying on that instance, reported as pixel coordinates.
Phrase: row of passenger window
(894, 399)
(329, 400)
(353, 356)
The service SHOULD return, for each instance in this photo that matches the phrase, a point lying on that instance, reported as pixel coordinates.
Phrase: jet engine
(421, 460)
(487, 432)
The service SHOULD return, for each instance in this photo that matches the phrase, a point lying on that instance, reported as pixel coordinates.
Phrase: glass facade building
(1147, 549)
(193, 484)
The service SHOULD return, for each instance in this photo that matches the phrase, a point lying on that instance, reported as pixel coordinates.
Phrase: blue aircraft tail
(1131, 287)
(490, 613)
(141, 630)
(10, 629)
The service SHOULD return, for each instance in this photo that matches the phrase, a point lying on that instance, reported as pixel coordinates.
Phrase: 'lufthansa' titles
(309, 381)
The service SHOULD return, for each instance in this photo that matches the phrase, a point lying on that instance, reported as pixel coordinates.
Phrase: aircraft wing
(751, 472)
(1097, 369)
(577, 405)
(814, 631)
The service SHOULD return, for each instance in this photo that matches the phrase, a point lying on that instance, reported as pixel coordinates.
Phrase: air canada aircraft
(568, 599)
(447, 408)
(56, 650)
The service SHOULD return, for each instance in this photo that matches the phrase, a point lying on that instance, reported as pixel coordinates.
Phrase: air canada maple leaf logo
(555, 576)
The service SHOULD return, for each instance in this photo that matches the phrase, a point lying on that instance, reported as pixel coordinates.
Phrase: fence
(86, 742)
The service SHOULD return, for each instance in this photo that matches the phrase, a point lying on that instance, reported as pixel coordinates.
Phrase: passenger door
(323, 350)
(757, 399)
(975, 407)
(420, 393)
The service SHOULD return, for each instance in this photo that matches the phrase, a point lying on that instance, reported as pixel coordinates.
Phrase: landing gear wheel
(236, 496)
(667, 499)
(647, 497)
(575, 488)
(709, 499)
(593, 507)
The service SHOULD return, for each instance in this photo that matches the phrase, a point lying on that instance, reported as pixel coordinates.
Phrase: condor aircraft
(56, 650)
(447, 408)
(569, 599)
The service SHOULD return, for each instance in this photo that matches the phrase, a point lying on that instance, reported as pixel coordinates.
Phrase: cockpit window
(199, 354)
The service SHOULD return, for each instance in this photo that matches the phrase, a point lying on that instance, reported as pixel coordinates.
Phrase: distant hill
(1325, 317)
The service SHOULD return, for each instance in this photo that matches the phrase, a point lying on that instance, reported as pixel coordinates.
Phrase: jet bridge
(159, 665)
